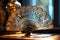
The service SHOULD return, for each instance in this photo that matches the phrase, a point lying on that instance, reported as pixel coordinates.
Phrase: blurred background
(51, 6)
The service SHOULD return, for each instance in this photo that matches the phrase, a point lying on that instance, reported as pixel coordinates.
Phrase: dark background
(56, 13)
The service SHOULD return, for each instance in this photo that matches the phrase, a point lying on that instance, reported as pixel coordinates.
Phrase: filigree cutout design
(29, 16)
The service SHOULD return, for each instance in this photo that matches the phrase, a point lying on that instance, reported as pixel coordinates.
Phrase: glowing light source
(41, 35)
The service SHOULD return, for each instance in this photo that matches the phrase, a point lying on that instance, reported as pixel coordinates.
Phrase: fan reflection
(40, 35)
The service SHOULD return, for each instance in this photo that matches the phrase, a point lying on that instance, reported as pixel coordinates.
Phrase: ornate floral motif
(29, 16)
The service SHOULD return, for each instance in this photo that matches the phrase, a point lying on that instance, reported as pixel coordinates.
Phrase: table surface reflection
(32, 37)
